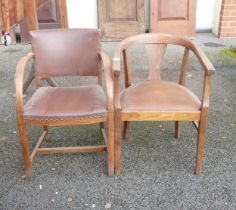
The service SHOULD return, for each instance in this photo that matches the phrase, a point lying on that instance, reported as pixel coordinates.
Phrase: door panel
(119, 19)
(48, 15)
(173, 16)
(51, 14)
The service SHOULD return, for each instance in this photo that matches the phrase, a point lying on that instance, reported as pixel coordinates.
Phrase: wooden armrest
(116, 66)
(203, 59)
(108, 78)
(19, 77)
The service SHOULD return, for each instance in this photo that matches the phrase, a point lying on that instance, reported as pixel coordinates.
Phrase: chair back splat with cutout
(158, 100)
(57, 53)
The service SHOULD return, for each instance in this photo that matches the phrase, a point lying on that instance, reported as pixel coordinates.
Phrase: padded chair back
(66, 52)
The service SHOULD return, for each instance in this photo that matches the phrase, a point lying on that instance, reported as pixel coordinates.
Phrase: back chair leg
(117, 143)
(177, 129)
(126, 129)
(25, 151)
(102, 125)
(45, 128)
(201, 141)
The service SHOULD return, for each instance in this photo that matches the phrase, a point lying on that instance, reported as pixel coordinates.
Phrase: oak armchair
(67, 52)
(158, 100)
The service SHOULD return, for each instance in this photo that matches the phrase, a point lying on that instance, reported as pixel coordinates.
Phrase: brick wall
(227, 24)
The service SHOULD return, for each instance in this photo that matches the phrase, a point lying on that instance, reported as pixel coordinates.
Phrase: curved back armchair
(67, 52)
(158, 100)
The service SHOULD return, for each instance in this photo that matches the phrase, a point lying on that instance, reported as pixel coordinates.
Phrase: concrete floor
(157, 169)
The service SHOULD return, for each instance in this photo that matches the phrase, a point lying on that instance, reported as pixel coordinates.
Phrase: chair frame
(22, 122)
(199, 118)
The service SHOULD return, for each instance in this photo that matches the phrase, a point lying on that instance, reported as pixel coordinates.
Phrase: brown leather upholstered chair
(67, 52)
(157, 100)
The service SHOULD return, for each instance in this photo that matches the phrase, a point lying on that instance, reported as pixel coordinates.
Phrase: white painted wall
(216, 20)
(82, 14)
(205, 14)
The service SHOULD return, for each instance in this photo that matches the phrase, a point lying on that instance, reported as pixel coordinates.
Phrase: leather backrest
(64, 52)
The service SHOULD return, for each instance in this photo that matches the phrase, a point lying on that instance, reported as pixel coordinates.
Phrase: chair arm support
(19, 77)
(206, 92)
(108, 79)
(116, 74)
(116, 66)
(203, 59)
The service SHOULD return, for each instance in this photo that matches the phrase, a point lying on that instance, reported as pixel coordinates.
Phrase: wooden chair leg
(201, 142)
(51, 82)
(102, 125)
(126, 129)
(45, 128)
(25, 151)
(117, 143)
(177, 129)
(110, 146)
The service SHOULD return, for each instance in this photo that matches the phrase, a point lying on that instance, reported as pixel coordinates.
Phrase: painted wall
(205, 14)
(82, 14)
(216, 20)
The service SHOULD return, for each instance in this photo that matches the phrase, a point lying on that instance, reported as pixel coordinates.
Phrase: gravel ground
(157, 169)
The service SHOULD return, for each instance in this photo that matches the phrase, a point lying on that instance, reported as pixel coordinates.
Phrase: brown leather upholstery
(66, 103)
(159, 96)
(62, 52)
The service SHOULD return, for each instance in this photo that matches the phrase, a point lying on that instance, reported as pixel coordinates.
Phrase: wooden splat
(184, 67)
(155, 53)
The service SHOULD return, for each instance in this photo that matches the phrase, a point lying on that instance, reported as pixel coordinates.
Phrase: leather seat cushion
(66, 103)
(159, 96)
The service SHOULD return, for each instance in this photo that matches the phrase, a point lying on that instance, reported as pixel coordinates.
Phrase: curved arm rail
(19, 77)
(162, 39)
(108, 79)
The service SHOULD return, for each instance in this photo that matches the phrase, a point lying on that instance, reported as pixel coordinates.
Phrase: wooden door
(14, 9)
(119, 19)
(173, 16)
(11, 12)
(51, 14)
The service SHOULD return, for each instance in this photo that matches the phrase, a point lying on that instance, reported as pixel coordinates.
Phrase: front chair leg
(25, 151)
(117, 143)
(177, 129)
(126, 129)
(110, 146)
(201, 142)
